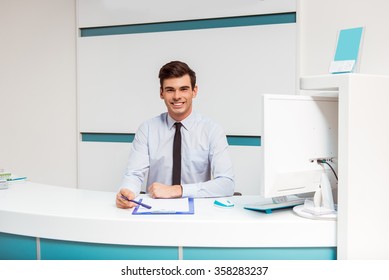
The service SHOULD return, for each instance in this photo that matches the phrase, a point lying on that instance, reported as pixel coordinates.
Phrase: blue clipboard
(151, 212)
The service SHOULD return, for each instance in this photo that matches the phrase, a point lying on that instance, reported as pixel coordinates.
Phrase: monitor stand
(322, 206)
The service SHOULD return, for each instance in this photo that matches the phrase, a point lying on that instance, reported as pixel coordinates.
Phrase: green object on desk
(5, 175)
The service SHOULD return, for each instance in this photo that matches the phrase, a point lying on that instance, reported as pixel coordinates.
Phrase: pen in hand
(136, 202)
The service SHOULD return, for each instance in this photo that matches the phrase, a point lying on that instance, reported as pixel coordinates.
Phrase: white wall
(318, 24)
(118, 12)
(38, 126)
(234, 67)
(39, 135)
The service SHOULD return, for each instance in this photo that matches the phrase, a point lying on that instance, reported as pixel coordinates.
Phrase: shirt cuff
(189, 190)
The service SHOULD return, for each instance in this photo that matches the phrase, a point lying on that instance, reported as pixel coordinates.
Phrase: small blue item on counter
(223, 202)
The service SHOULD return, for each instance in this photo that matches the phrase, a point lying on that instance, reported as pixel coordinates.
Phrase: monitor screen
(297, 130)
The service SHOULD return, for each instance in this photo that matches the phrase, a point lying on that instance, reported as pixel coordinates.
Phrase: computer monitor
(297, 130)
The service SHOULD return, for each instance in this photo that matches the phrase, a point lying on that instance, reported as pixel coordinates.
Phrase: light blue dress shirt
(206, 168)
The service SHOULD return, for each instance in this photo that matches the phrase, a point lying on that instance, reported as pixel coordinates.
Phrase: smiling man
(204, 165)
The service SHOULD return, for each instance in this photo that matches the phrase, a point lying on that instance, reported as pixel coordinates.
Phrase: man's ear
(160, 93)
(195, 91)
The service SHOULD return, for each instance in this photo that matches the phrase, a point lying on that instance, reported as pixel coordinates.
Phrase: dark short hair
(176, 69)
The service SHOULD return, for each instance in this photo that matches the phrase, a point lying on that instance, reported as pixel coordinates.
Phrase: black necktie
(177, 155)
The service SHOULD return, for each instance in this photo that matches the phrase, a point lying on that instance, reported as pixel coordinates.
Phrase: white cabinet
(363, 167)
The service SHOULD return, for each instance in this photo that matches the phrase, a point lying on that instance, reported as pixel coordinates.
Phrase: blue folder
(151, 212)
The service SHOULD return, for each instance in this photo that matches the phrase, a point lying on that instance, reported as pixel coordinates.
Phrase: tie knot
(178, 125)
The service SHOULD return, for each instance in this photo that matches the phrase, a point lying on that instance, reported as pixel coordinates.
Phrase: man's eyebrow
(182, 87)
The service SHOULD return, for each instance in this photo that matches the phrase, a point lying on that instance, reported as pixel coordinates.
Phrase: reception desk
(49, 222)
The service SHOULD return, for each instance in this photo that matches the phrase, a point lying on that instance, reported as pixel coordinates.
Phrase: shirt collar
(187, 123)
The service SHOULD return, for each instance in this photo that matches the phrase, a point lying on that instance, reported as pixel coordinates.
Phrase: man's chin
(178, 114)
(176, 110)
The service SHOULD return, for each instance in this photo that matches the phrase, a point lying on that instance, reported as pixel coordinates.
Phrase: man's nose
(176, 94)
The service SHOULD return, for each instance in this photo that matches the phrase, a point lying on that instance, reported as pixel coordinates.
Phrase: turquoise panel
(244, 140)
(108, 137)
(129, 137)
(190, 24)
(260, 253)
(349, 41)
(68, 250)
(17, 247)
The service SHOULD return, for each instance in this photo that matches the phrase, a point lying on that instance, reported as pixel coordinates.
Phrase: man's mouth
(177, 104)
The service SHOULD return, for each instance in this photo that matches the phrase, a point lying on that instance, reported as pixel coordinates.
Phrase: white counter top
(53, 212)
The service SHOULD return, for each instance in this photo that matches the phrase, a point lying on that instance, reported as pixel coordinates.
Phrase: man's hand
(122, 202)
(157, 190)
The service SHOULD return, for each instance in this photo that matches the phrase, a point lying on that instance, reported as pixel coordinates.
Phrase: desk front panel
(16, 247)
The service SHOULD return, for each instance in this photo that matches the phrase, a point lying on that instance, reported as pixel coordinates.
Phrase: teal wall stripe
(108, 137)
(233, 140)
(190, 24)
(243, 140)
(17, 247)
(325, 253)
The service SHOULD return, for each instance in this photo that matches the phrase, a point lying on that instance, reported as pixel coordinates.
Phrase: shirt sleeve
(138, 162)
(222, 181)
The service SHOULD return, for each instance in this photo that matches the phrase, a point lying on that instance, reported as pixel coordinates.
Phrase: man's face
(178, 94)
